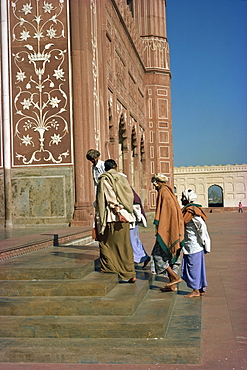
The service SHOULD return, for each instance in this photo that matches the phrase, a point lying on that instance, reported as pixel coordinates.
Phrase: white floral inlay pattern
(40, 102)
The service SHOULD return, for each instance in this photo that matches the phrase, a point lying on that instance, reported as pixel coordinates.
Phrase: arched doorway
(215, 196)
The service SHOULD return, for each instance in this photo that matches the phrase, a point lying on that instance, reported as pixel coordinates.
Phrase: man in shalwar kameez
(169, 232)
(196, 244)
(114, 205)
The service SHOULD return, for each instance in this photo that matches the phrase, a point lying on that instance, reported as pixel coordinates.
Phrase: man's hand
(122, 218)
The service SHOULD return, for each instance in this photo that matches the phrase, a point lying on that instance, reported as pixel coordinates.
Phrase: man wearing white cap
(196, 244)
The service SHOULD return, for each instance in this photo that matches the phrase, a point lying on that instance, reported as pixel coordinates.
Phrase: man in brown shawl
(169, 232)
(114, 205)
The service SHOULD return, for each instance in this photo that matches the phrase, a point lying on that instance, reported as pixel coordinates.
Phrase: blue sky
(208, 53)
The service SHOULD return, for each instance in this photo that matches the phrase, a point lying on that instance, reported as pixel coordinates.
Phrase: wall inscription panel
(41, 124)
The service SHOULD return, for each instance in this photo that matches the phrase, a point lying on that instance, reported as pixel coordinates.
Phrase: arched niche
(122, 141)
(134, 154)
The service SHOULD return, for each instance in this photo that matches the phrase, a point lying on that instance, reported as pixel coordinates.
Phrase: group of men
(176, 230)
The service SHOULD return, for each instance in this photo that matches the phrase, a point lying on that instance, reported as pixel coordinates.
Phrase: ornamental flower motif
(55, 139)
(55, 124)
(51, 32)
(58, 73)
(54, 102)
(27, 140)
(26, 103)
(27, 9)
(24, 35)
(38, 35)
(20, 76)
(47, 7)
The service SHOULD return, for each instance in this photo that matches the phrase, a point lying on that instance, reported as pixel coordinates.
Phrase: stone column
(83, 109)
(150, 16)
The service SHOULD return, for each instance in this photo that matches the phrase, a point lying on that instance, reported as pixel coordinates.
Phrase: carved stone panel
(41, 125)
(156, 53)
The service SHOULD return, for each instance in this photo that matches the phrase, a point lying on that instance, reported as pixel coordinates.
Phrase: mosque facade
(77, 75)
(220, 186)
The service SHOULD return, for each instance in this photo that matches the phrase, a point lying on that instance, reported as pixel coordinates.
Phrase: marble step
(101, 351)
(46, 271)
(62, 262)
(94, 284)
(122, 299)
(148, 321)
(174, 335)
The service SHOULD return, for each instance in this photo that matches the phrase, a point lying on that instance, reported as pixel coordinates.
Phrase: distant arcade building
(216, 186)
(75, 75)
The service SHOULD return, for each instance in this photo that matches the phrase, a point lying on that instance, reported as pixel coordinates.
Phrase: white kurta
(196, 236)
(97, 170)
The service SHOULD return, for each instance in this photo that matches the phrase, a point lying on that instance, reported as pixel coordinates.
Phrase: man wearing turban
(196, 244)
(169, 232)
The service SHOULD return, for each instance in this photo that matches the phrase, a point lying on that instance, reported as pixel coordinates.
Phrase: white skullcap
(190, 195)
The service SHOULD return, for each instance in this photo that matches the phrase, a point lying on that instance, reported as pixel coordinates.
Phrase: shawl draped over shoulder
(169, 222)
(191, 210)
(121, 188)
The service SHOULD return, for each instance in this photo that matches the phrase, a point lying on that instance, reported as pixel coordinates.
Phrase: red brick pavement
(224, 317)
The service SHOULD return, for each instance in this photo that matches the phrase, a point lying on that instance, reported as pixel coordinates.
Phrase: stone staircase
(56, 307)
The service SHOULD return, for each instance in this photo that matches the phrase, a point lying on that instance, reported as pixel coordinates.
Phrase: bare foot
(193, 294)
(172, 288)
(202, 292)
(173, 282)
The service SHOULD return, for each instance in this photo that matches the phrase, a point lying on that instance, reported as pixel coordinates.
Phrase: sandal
(146, 262)
(169, 289)
(132, 280)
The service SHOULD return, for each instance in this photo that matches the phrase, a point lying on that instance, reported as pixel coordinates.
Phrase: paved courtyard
(224, 313)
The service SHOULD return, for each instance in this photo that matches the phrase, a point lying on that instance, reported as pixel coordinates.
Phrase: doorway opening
(215, 196)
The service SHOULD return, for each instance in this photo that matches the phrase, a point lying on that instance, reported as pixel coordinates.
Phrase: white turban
(159, 177)
(190, 195)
